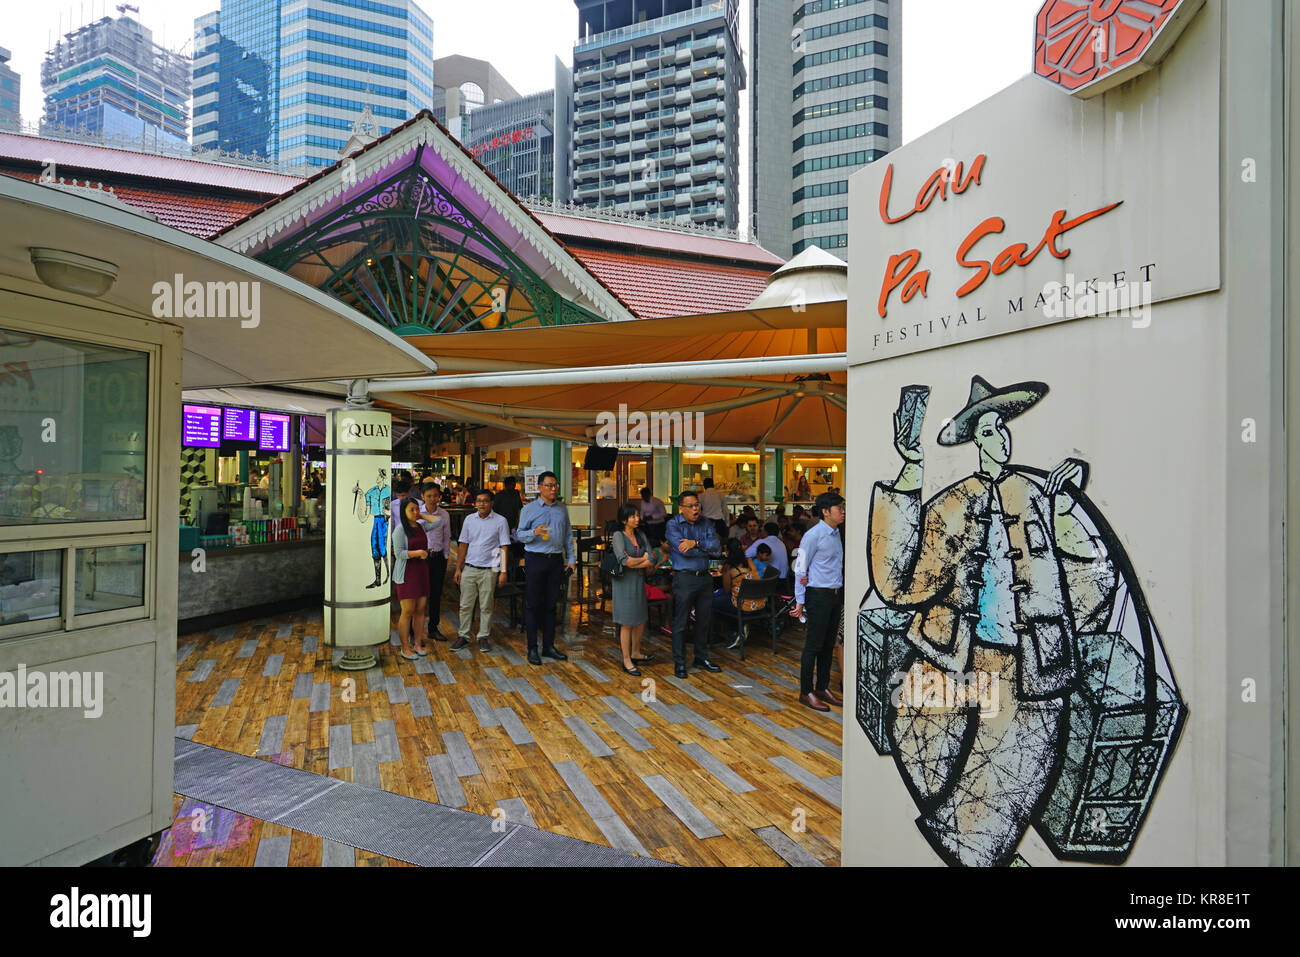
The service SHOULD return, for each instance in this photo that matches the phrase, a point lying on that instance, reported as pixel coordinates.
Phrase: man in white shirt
(772, 539)
(437, 525)
(608, 487)
(714, 508)
(480, 567)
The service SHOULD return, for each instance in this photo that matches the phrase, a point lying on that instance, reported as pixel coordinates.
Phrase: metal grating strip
(392, 825)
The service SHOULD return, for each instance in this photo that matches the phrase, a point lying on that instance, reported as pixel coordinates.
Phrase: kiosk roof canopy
(265, 327)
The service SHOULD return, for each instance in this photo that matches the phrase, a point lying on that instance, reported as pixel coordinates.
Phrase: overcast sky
(955, 52)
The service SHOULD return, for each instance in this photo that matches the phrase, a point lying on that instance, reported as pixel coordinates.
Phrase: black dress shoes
(533, 657)
(679, 671)
(706, 664)
(634, 670)
(643, 661)
(555, 654)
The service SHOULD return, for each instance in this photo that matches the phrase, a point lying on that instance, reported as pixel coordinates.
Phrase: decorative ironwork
(408, 255)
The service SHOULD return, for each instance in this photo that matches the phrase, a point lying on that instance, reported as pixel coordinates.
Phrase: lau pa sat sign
(1034, 207)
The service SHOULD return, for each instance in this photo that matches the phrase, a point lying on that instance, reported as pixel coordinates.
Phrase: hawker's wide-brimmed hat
(1008, 402)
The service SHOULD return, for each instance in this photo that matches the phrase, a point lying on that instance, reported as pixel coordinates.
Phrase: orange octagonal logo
(1089, 46)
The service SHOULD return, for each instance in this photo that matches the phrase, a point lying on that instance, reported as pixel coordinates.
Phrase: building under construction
(109, 78)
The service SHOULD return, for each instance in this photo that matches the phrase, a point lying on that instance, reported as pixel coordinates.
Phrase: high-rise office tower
(826, 100)
(11, 86)
(287, 80)
(656, 108)
(464, 85)
(109, 78)
(525, 142)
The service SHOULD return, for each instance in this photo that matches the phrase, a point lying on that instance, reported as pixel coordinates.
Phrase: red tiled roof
(89, 156)
(656, 287)
(584, 230)
(201, 216)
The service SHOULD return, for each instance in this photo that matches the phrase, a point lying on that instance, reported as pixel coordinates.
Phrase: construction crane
(123, 7)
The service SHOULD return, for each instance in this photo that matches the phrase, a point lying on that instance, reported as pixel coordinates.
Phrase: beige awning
(746, 411)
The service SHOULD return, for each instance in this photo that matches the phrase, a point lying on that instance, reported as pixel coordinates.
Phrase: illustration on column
(1007, 658)
(373, 503)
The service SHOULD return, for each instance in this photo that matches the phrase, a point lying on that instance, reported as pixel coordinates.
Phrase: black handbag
(609, 564)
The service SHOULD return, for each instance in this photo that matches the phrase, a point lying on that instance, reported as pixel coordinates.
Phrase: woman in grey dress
(632, 551)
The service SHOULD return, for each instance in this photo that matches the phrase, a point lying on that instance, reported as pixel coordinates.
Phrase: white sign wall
(1032, 633)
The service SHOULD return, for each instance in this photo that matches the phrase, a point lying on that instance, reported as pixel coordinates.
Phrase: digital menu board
(273, 433)
(239, 425)
(201, 426)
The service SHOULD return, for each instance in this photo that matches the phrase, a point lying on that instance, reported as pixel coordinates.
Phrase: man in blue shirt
(693, 541)
(819, 582)
(547, 536)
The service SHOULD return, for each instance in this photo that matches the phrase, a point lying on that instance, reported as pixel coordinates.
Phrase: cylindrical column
(358, 452)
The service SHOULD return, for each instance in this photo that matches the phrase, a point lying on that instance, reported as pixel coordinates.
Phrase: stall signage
(273, 432)
(201, 426)
(239, 425)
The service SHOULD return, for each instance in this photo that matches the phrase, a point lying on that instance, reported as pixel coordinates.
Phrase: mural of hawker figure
(1010, 581)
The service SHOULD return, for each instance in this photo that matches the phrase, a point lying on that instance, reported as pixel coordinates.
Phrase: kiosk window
(109, 577)
(73, 431)
(31, 586)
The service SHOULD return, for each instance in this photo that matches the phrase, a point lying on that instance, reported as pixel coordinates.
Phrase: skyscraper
(109, 78)
(11, 85)
(465, 84)
(826, 101)
(525, 142)
(287, 81)
(656, 107)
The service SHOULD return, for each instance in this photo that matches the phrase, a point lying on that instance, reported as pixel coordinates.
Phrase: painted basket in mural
(1124, 722)
(881, 646)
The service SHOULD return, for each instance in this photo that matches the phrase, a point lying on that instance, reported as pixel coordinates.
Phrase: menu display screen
(273, 433)
(201, 426)
(239, 425)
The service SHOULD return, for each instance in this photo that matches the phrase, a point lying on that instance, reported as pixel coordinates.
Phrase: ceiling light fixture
(73, 272)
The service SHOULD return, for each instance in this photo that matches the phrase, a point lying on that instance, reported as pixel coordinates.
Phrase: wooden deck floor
(719, 769)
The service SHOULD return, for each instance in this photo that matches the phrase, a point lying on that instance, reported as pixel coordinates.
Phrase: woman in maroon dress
(410, 549)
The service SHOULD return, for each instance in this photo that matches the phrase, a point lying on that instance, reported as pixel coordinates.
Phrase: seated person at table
(771, 538)
(736, 569)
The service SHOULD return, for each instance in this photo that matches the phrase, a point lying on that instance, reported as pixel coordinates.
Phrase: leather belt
(482, 568)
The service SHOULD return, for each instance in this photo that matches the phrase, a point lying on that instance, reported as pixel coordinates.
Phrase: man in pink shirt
(437, 525)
